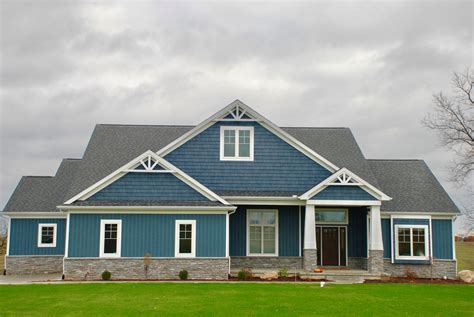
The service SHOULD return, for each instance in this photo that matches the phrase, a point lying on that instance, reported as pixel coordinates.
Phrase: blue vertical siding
(277, 166)
(24, 237)
(147, 233)
(387, 250)
(442, 238)
(288, 230)
(148, 186)
(334, 192)
(357, 232)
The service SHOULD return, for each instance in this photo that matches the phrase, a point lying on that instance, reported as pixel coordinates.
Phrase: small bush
(410, 274)
(183, 275)
(283, 272)
(106, 275)
(245, 274)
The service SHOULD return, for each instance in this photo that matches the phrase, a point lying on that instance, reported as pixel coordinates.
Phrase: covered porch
(301, 238)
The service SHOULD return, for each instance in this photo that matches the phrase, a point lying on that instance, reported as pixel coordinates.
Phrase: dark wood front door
(331, 245)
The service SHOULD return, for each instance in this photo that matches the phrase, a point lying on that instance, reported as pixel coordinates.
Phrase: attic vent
(345, 179)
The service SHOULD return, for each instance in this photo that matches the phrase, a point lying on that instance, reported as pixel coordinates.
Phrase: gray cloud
(369, 66)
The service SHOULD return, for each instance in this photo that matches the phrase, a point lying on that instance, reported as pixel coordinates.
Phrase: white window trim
(55, 233)
(117, 254)
(237, 130)
(346, 219)
(276, 232)
(427, 242)
(177, 254)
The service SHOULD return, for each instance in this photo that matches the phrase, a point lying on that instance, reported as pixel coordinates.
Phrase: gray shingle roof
(112, 146)
(412, 186)
(43, 193)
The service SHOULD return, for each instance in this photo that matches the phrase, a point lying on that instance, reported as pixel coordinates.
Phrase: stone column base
(375, 262)
(309, 259)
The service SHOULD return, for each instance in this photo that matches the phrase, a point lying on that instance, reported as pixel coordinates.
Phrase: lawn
(465, 255)
(236, 299)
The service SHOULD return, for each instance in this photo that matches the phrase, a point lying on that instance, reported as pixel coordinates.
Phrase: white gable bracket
(344, 177)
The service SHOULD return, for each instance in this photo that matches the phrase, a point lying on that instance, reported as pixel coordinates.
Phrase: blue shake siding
(147, 233)
(148, 186)
(334, 192)
(277, 166)
(24, 237)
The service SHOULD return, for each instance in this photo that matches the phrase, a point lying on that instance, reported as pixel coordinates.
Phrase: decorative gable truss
(148, 162)
(342, 178)
(238, 113)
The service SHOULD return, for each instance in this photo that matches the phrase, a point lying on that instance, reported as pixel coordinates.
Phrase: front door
(331, 244)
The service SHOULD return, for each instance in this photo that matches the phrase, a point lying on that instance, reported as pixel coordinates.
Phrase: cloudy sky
(373, 67)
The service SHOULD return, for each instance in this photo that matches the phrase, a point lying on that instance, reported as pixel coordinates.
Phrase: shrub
(183, 275)
(410, 274)
(283, 272)
(106, 275)
(245, 274)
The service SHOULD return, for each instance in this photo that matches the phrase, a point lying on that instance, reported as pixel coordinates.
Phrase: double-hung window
(236, 143)
(262, 232)
(412, 242)
(110, 238)
(47, 235)
(185, 238)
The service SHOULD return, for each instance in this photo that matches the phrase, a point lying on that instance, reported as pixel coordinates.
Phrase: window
(412, 242)
(185, 238)
(331, 216)
(236, 144)
(110, 238)
(47, 235)
(262, 233)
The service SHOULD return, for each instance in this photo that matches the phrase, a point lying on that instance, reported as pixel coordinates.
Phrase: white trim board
(345, 174)
(104, 182)
(218, 116)
(344, 202)
(35, 214)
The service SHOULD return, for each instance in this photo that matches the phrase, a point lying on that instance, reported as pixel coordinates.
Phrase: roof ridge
(146, 125)
(396, 160)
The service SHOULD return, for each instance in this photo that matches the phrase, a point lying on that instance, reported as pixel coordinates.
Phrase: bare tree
(3, 236)
(453, 120)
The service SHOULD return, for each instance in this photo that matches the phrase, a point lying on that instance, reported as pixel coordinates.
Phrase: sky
(370, 66)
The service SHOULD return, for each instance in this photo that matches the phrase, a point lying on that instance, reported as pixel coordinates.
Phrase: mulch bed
(407, 280)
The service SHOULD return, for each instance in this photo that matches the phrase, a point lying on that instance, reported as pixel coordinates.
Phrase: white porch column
(375, 264)
(309, 247)
(376, 242)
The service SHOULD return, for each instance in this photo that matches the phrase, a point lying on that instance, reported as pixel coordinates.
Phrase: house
(234, 191)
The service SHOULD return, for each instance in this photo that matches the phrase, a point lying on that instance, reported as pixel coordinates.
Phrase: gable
(278, 168)
(148, 187)
(343, 193)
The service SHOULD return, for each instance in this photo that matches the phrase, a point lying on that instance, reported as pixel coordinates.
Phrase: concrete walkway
(29, 279)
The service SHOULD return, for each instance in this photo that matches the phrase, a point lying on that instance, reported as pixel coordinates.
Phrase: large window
(185, 238)
(47, 235)
(331, 216)
(110, 238)
(262, 233)
(412, 242)
(236, 144)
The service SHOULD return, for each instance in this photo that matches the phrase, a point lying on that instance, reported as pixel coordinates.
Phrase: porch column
(309, 248)
(375, 263)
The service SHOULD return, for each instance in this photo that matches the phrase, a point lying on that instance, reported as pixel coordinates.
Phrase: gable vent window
(236, 144)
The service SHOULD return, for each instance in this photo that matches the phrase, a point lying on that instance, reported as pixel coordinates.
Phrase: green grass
(226, 299)
(465, 255)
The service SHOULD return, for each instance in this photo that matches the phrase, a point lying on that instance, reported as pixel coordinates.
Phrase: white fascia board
(412, 214)
(259, 118)
(147, 209)
(122, 171)
(35, 214)
(364, 185)
(344, 202)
